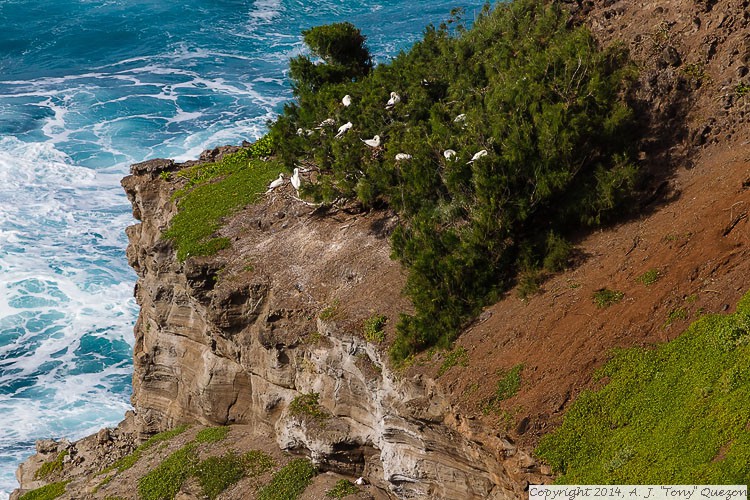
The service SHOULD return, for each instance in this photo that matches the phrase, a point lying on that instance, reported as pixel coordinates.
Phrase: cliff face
(234, 339)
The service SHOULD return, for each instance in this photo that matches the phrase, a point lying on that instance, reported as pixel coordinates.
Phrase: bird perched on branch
(343, 128)
(395, 99)
(449, 154)
(478, 155)
(347, 100)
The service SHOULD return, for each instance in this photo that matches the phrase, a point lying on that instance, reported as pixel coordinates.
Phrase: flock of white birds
(375, 142)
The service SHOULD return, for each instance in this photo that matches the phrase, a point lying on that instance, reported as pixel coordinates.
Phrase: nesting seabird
(395, 99)
(460, 118)
(343, 128)
(479, 155)
(373, 143)
(328, 122)
(449, 154)
(296, 181)
(403, 157)
(347, 100)
(276, 183)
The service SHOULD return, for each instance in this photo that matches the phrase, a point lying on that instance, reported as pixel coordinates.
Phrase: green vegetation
(331, 312)
(47, 492)
(343, 488)
(54, 466)
(605, 297)
(525, 86)
(649, 277)
(212, 434)
(456, 357)
(165, 480)
(309, 405)
(128, 461)
(257, 462)
(742, 89)
(216, 474)
(290, 481)
(373, 328)
(677, 314)
(213, 191)
(676, 414)
(507, 387)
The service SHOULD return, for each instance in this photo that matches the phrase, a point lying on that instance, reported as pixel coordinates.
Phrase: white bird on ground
(449, 154)
(347, 100)
(403, 157)
(460, 118)
(343, 128)
(328, 122)
(360, 482)
(479, 155)
(395, 99)
(276, 183)
(373, 143)
(296, 181)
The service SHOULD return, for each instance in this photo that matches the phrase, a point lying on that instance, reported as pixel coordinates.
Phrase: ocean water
(88, 87)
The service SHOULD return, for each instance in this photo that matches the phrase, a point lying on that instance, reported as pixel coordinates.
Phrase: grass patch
(677, 314)
(649, 277)
(343, 488)
(507, 387)
(165, 480)
(676, 414)
(456, 357)
(605, 297)
(290, 481)
(373, 328)
(54, 466)
(309, 405)
(212, 434)
(215, 190)
(331, 312)
(257, 462)
(128, 461)
(47, 492)
(216, 474)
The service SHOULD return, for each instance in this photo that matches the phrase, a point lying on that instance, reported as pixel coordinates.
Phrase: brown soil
(696, 233)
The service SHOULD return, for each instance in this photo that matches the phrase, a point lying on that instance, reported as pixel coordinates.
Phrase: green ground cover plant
(343, 488)
(166, 479)
(373, 328)
(649, 277)
(605, 297)
(507, 386)
(47, 492)
(308, 405)
(290, 481)
(457, 357)
(257, 462)
(212, 434)
(54, 466)
(216, 474)
(674, 414)
(128, 461)
(517, 132)
(215, 190)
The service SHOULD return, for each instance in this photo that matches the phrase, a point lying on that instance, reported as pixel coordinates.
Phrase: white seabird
(460, 118)
(300, 132)
(276, 183)
(296, 181)
(343, 128)
(347, 100)
(479, 155)
(403, 157)
(360, 482)
(373, 143)
(449, 154)
(328, 122)
(395, 99)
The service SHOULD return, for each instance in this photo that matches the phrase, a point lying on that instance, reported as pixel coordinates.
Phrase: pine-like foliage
(534, 92)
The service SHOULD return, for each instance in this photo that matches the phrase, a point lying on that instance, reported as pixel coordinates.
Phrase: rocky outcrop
(238, 337)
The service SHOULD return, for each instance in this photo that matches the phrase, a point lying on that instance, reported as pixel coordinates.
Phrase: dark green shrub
(535, 93)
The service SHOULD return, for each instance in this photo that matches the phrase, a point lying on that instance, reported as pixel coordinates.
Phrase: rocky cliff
(237, 338)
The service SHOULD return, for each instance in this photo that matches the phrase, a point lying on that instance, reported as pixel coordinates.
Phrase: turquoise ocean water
(88, 87)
